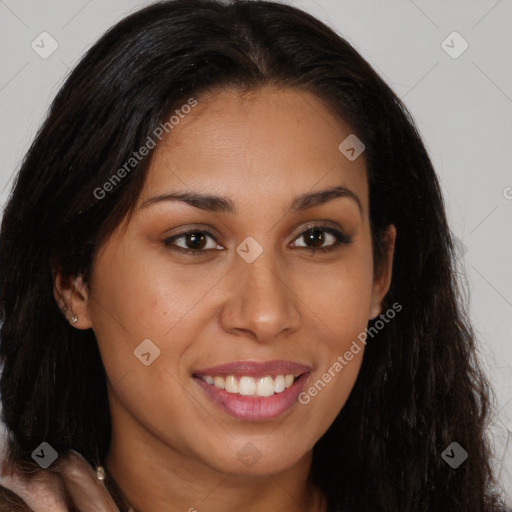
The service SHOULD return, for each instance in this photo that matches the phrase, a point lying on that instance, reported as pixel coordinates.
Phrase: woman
(228, 283)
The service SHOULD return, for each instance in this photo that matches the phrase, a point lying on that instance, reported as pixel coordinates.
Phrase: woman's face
(248, 176)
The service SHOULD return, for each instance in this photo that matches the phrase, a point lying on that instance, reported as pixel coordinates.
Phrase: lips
(255, 369)
(253, 391)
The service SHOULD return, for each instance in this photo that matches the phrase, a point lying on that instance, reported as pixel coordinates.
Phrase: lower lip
(255, 408)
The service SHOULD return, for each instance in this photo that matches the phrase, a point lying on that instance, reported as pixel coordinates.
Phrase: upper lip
(255, 368)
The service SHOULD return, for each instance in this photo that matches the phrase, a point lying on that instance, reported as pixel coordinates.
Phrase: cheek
(138, 295)
(340, 294)
(339, 303)
(141, 296)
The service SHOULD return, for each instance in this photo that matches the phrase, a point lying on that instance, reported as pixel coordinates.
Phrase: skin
(172, 448)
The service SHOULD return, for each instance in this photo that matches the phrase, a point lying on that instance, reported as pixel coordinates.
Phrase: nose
(262, 304)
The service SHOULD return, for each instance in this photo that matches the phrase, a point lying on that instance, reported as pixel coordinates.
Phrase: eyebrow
(220, 204)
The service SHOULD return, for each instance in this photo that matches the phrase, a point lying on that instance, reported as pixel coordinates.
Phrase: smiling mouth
(251, 386)
(253, 390)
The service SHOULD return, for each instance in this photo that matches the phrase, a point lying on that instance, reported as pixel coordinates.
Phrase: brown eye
(315, 237)
(193, 242)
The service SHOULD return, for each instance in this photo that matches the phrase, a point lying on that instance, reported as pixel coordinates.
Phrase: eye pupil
(315, 236)
(197, 240)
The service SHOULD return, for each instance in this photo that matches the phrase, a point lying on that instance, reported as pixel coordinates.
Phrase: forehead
(255, 146)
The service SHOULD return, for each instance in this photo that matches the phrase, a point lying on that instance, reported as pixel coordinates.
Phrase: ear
(382, 281)
(72, 298)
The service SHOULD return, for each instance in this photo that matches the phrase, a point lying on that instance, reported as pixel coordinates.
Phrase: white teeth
(279, 383)
(218, 382)
(249, 386)
(231, 385)
(265, 386)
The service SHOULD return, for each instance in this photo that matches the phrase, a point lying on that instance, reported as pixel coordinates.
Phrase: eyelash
(340, 237)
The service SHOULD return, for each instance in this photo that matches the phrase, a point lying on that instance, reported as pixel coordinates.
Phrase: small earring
(100, 473)
(74, 319)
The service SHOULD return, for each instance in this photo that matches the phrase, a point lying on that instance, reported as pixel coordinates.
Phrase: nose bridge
(262, 302)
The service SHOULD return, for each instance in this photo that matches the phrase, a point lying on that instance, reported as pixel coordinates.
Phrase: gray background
(462, 107)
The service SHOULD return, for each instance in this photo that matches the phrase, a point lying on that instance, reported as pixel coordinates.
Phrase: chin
(252, 461)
